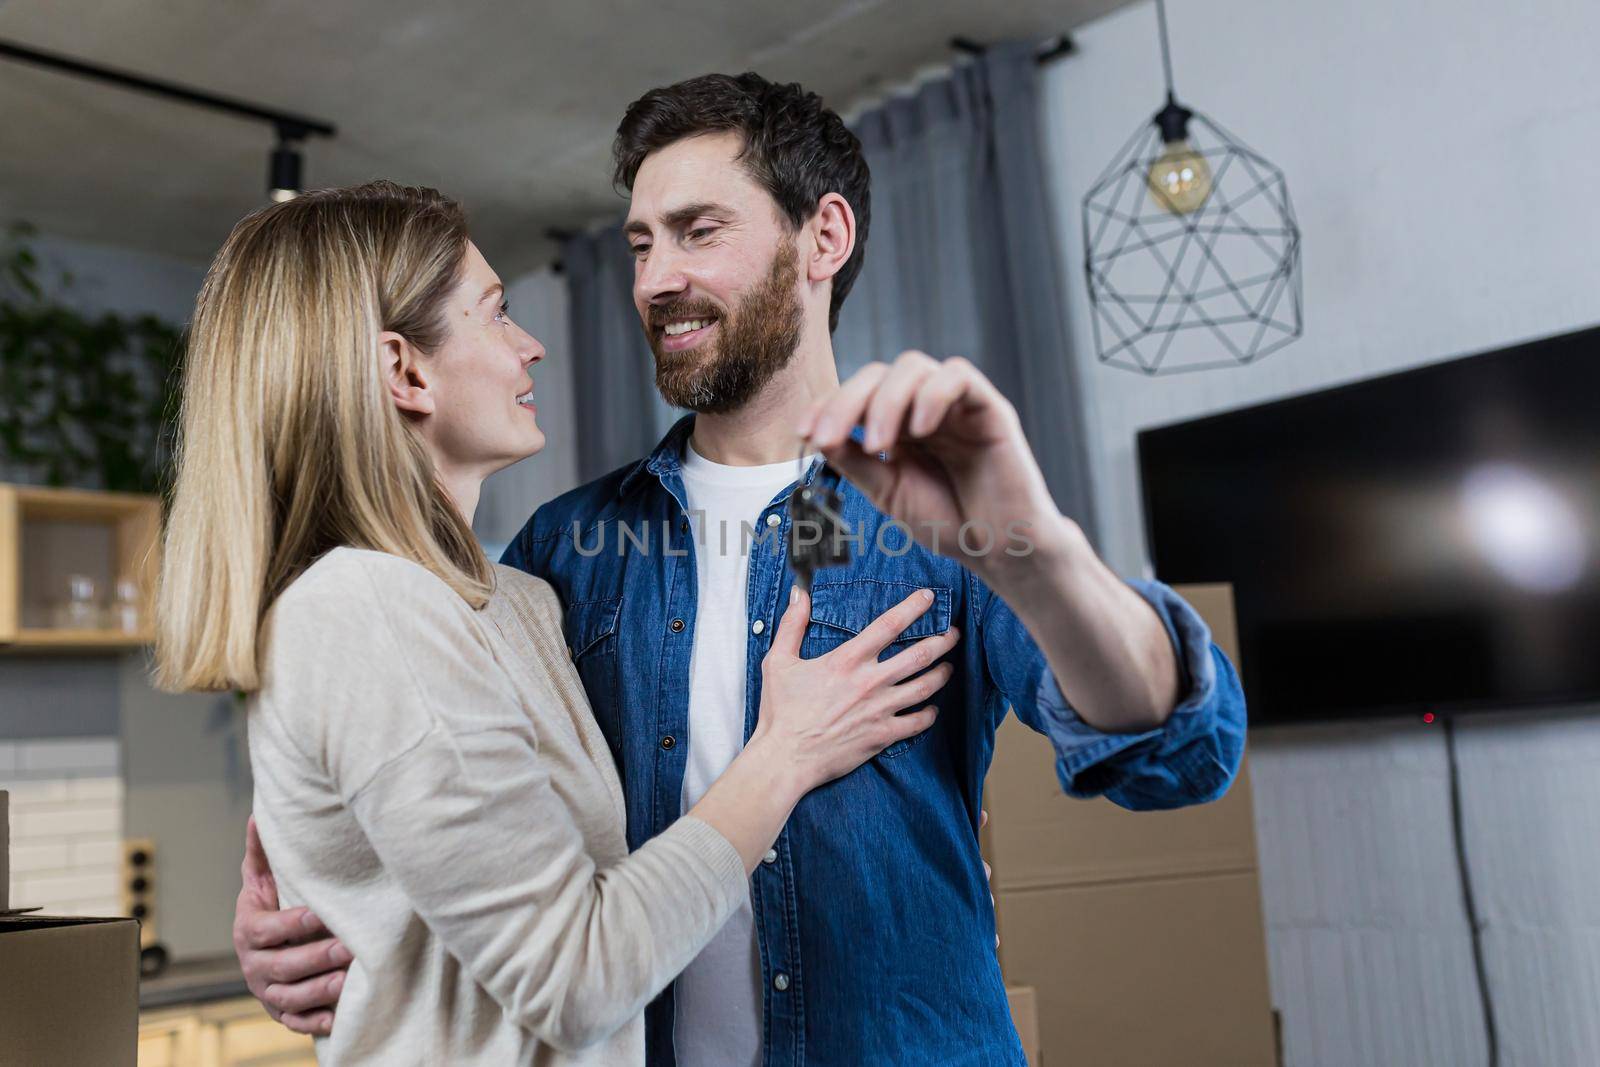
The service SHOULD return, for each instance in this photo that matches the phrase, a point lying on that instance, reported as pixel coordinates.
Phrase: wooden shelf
(42, 639)
(34, 519)
(79, 505)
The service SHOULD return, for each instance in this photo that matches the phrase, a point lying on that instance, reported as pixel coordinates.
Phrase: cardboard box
(69, 991)
(1038, 836)
(1025, 1015)
(1214, 603)
(1140, 934)
(1155, 971)
(5, 850)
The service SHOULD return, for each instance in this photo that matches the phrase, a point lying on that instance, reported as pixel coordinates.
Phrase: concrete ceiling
(509, 107)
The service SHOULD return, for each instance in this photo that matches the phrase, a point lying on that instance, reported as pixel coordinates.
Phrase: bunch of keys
(818, 534)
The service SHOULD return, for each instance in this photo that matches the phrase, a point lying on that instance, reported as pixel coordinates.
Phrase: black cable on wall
(1468, 900)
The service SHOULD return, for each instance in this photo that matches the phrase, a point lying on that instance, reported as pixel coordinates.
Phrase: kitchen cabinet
(225, 1033)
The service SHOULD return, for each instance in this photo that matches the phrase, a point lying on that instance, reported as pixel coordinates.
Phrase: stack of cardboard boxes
(1140, 935)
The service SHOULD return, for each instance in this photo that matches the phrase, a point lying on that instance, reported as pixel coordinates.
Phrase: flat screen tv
(1427, 541)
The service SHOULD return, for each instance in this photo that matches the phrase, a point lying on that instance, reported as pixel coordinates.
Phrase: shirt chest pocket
(591, 631)
(841, 610)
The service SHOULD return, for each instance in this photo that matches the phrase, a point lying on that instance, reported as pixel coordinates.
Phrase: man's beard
(753, 343)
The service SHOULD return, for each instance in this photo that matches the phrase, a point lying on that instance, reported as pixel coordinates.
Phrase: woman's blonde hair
(289, 443)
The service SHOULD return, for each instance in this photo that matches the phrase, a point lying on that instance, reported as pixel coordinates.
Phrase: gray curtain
(618, 414)
(961, 260)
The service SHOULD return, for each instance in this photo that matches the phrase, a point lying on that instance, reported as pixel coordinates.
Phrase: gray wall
(117, 279)
(187, 769)
(1431, 151)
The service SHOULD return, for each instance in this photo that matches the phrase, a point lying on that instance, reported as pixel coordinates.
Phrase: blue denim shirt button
(773, 520)
(757, 626)
(781, 982)
(771, 856)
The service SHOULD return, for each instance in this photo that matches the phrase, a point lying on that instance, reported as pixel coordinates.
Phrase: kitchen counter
(193, 981)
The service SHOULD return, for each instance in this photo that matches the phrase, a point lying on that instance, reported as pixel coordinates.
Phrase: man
(869, 935)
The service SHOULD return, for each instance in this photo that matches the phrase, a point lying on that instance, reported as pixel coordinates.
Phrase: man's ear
(403, 374)
(833, 238)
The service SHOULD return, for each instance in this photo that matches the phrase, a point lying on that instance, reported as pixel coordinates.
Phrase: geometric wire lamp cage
(1192, 249)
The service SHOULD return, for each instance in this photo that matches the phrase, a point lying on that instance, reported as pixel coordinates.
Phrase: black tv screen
(1427, 541)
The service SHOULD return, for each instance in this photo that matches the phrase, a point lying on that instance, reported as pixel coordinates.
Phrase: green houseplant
(85, 399)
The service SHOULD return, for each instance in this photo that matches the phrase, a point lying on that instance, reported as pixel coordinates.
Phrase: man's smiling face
(716, 274)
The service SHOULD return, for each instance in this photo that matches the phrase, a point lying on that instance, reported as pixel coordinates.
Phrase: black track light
(284, 180)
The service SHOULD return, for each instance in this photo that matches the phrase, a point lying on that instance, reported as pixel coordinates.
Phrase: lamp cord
(1166, 49)
(1468, 900)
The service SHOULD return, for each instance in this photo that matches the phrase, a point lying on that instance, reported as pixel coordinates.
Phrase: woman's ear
(403, 374)
(833, 234)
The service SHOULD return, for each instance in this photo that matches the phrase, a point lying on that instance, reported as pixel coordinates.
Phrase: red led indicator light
(1427, 716)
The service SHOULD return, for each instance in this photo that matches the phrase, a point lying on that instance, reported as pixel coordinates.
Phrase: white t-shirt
(718, 1002)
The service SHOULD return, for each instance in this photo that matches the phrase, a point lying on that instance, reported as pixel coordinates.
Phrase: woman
(429, 778)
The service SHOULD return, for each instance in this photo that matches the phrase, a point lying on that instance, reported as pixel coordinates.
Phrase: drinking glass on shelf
(80, 611)
(126, 610)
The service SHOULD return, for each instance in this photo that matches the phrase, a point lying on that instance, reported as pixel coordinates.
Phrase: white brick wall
(66, 824)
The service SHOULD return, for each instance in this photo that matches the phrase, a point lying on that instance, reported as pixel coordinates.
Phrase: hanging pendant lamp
(1192, 249)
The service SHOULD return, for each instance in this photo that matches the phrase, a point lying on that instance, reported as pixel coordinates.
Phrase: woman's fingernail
(308, 922)
(794, 594)
(927, 594)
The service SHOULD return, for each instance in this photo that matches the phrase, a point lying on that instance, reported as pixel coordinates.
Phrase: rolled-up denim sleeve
(1190, 759)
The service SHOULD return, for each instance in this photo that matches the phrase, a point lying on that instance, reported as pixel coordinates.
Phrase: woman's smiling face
(482, 416)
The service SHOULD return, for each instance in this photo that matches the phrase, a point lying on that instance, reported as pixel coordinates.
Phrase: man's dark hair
(797, 149)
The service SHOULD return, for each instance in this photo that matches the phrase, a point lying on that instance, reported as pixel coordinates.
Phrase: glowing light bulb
(1179, 179)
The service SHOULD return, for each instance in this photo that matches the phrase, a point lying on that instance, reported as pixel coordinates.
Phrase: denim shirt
(872, 912)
